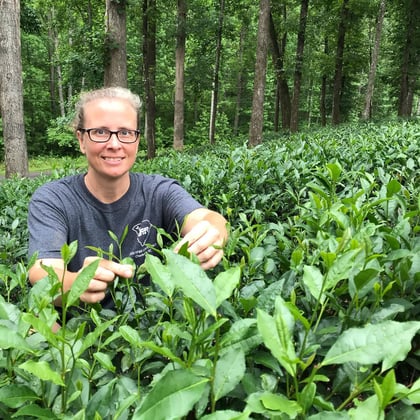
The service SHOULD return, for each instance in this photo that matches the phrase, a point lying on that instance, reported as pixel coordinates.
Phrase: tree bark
(239, 81)
(149, 73)
(179, 76)
(339, 60)
(257, 114)
(215, 91)
(283, 102)
(410, 61)
(322, 101)
(367, 111)
(115, 44)
(11, 90)
(294, 117)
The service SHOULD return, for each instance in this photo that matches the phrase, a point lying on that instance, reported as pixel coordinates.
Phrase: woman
(110, 198)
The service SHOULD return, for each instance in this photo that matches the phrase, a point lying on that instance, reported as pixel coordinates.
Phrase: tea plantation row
(312, 314)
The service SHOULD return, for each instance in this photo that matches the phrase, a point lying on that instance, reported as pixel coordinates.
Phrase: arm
(206, 233)
(105, 274)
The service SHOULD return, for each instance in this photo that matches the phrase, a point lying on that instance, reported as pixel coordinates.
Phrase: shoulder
(152, 181)
(58, 187)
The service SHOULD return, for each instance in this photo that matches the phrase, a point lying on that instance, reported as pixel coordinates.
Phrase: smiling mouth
(113, 159)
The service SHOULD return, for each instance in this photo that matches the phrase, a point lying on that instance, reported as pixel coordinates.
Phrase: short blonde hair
(107, 92)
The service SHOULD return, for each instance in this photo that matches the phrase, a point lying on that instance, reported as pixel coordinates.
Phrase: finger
(194, 234)
(206, 243)
(88, 297)
(123, 270)
(212, 261)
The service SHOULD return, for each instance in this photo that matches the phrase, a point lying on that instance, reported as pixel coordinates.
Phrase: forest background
(207, 71)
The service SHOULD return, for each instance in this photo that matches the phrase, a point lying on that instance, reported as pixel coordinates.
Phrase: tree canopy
(68, 46)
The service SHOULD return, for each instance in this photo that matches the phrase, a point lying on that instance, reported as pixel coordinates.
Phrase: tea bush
(314, 312)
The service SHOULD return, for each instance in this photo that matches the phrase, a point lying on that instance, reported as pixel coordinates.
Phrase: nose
(113, 140)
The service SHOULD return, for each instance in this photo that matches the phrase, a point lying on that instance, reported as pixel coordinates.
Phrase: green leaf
(15, 396)
(230, 369)
(225, 284)
(104, 360)
(341, 268)
(414, 393)
(393, 187)
(313, 280)
(33, 410)
(41, 327)
(192, 280)
(68, 251)
(43, 371)
(277, 335)
(172, 397)
(160, 274)
(281, 404)
(12, 339)
(81, 283)
(387, 342)
(226, 415)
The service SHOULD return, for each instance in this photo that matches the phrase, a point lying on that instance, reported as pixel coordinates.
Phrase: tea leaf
(160, 274)
(42, 370)
(12, 339)
(230, 369)
(225, 284)
(192, 280)
(277, 335)
(281, 404)
(387, 342)
(172, 397)
(15, 396)
(81, 283)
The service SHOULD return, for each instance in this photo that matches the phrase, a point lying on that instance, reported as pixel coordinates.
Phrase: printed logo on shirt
(142, 231)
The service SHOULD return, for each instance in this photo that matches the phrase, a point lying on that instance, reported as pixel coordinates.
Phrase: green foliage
(312, 314)
(60, 136)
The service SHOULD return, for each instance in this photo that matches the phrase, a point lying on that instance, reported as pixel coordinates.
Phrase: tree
(215, 91)
(339, 60)
(116, 58)
(283, 101)
(257, 114)
(149, 73)
(179, 76)
(11, 90)
(409, 68)
(294, 116)
(366, 114)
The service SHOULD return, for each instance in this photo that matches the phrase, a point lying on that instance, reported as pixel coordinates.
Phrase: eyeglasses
(102, 135)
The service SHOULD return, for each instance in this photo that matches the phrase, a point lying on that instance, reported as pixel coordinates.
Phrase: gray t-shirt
(63, 211)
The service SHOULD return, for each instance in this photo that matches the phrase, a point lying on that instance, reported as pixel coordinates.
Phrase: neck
(107, 190)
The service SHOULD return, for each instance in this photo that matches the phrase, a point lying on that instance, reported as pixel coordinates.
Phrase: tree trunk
(409, 66)
(322, 101)
(339, 59)
(179, 76)
(283, 102)
(294, 118)
(149, 74)
(11, 90)
(367, 111)
(215, 91)
(239, 82)
(257, 114)
(115, 44)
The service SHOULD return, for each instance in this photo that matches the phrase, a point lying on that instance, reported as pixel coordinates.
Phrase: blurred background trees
(319, 67)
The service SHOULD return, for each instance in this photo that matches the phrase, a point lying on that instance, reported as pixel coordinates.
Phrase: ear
(79, 136)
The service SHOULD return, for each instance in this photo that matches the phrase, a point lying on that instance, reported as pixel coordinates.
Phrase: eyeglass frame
(111, 132)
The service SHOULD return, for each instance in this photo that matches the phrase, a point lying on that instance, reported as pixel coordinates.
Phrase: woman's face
(112, 159)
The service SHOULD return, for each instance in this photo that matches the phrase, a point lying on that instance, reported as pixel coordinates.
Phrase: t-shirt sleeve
(178, 203)
(46, 223)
